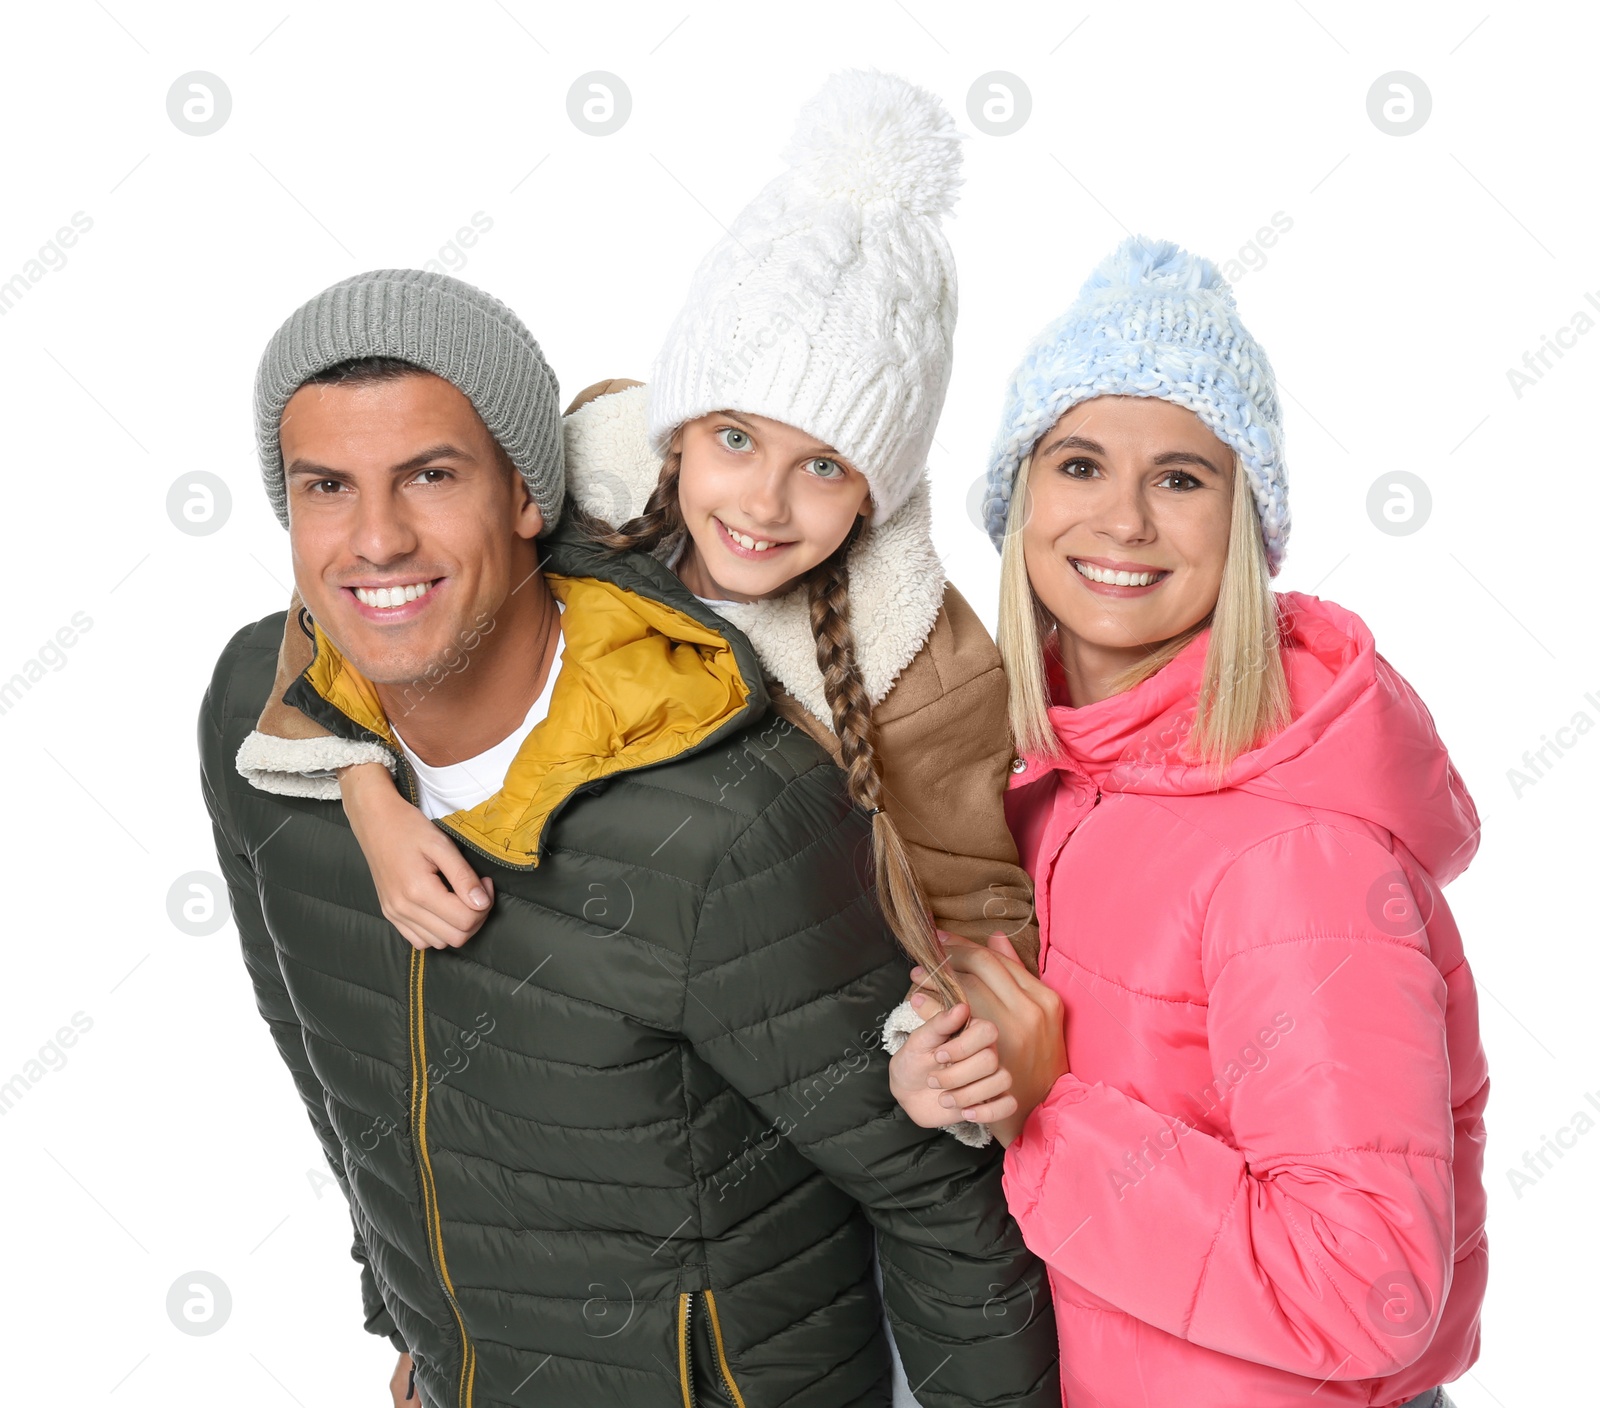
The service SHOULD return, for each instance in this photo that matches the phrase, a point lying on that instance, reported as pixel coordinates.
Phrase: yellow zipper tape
(722, 1356)
(430, 1208)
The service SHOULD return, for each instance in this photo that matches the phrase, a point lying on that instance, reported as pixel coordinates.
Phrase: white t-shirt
(456, 786)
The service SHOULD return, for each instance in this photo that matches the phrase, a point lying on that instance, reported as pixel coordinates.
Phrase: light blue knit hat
(1153, 320)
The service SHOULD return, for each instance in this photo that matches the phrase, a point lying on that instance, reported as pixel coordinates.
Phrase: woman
(1253, 1157)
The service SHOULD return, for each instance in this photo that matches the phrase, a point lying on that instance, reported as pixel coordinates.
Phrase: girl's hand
(425, 888)
(1028, 1018)
(948, 1071)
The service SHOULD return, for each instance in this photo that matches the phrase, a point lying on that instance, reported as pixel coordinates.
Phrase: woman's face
(1130, 501)
(763, 502)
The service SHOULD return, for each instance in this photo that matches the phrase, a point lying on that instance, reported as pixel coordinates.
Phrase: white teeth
(748, 543)
(384, 597)
(1116, 579)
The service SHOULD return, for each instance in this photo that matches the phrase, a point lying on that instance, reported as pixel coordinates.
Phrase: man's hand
(401, 1389)
(425, 887)
(1027, 1015)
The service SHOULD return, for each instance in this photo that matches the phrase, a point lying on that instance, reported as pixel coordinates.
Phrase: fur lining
(897, 1026)
(303, 767)
(897, 581)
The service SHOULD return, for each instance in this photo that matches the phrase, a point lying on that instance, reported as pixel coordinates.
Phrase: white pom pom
(869, 136)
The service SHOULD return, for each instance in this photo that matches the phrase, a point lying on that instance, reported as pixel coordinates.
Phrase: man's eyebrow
(442, 451)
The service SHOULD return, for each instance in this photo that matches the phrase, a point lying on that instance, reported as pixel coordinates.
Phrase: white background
(1417, 271)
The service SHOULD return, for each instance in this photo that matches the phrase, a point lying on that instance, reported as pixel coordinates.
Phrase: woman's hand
(425, 888)
(1027, 1017)
(948, 1070)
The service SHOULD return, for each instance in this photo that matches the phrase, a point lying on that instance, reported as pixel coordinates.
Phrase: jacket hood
(1360, 741)
(897, 581)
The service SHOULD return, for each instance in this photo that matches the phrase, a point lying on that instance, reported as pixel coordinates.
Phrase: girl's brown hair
(828, 590)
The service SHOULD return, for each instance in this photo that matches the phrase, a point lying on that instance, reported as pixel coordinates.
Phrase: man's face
(407, 527)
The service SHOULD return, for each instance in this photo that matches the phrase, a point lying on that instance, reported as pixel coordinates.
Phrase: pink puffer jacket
(1263, 1178)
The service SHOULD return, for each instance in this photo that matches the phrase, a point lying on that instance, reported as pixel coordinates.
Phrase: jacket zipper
(430, 1201)
(685, 1369)
(723, 1370)
(686, 1349)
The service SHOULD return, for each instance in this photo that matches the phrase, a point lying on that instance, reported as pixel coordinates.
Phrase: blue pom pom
(1143, 262)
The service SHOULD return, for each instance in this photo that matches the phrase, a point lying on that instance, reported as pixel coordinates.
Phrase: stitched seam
(565, 849)
(744, 831)
(1349, 937)
(1205, 1266)
(1360, 1149)
(777, 939)
(1123, 987)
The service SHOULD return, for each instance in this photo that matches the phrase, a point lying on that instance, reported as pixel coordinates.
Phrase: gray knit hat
(446, 327)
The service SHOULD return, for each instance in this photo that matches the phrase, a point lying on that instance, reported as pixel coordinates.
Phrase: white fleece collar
(897, 581)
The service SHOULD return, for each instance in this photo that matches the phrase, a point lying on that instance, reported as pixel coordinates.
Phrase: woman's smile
(1106, 577)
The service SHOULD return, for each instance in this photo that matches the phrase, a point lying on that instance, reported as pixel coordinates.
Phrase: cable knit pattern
(1152, 320)
(445, 326)
(831, 303)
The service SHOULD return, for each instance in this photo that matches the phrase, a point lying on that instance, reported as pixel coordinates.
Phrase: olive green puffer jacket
(630, 1145)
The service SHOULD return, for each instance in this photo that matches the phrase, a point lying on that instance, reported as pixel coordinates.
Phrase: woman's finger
(992, 1111)
(998, 974)
(1001, 943)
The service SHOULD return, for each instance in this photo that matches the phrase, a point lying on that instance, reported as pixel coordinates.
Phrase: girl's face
(1130, 502)
(763, 502)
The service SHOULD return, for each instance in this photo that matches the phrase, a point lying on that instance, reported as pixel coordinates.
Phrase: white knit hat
(831, 303)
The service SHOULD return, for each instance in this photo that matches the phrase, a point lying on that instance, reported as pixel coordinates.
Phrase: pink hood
(1263, 1176)
(1361, 743)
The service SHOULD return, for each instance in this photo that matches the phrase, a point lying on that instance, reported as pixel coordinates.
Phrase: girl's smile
(763, 504)
(751, 546)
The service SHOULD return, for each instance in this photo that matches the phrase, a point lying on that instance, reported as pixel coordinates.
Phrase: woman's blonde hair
(1244, 697)
(827, 587)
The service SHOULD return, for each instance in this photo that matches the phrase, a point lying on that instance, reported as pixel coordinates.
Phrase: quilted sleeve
(266, 978)
(1313, 1232)
(791, 975)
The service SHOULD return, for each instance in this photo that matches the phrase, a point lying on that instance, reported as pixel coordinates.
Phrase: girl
(777, 464)
(1253, 1158)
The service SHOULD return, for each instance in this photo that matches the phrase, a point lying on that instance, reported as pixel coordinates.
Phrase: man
(630, 1144)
